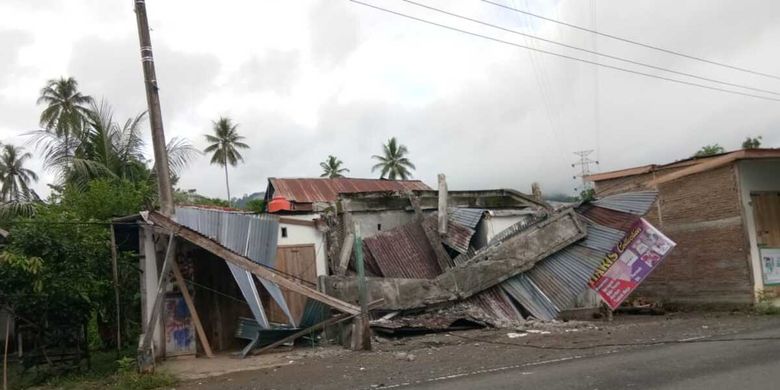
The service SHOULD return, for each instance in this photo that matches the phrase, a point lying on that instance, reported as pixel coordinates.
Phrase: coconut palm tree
(394, 163)
(331, 167)
(14, 177)
(66, 108)
(224, 145)
(106, 148)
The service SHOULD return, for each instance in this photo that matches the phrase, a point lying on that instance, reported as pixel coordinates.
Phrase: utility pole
(584, 164)
(155, 116)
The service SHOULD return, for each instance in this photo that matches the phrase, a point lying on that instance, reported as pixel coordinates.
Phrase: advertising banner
(630, 262)
(770, 263)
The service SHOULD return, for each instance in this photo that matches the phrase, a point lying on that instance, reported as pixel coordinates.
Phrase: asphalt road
(742, 365)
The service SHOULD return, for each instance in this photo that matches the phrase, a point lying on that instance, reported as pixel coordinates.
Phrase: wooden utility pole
(155, 116)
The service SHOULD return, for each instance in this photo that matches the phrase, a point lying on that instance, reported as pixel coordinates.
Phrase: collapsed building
(432, 260)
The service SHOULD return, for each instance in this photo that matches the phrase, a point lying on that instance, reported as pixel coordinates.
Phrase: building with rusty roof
(724, 213)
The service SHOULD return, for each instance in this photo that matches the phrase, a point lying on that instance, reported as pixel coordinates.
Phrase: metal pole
(155, 116)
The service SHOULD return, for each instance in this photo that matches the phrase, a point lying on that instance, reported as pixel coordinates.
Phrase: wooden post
(115, 271)
(5, 353)
(362, 334)
(185, 292)
(157, 305)
(442, 205)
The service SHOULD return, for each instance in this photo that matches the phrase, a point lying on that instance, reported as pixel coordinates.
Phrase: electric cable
(626, 40)
(613, 57)
(563, 55)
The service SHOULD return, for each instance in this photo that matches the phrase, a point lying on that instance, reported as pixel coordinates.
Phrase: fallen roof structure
(543, 262)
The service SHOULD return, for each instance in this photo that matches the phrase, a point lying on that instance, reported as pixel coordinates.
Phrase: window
(284, 232)
(379, 227)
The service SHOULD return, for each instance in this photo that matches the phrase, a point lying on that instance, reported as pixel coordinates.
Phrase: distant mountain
(241, 202)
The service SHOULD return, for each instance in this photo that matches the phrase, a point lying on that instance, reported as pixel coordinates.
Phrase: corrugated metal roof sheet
(637, 203)
(252, 235)
(496, 304)
(309, 190)
(458, 237)
(465, 216)
(554, 283)
(403, 252)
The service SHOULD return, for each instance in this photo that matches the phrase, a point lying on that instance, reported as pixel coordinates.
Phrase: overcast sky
(306, 79)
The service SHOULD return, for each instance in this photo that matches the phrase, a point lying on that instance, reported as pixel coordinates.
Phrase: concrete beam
(516, 254)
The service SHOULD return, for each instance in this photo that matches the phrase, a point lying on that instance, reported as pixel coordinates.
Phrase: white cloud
(307, 79)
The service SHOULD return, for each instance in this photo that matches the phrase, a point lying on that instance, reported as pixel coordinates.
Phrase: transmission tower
(584, 164)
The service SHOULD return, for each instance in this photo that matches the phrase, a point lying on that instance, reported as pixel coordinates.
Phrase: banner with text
(630, 262)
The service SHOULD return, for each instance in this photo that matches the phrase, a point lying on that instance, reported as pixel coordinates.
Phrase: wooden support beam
(263, 272)
(442, 205)
(115, 273)
(157, 305)
(185, 292)
(444, 259)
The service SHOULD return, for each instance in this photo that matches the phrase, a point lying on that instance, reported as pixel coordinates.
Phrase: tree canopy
(393, 163)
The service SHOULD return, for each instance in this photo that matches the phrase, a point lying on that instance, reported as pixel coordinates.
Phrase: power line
(564, 55)
(677, 53)
(591, 51)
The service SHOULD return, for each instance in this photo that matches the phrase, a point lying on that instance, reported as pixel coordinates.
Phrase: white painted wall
(370, 221)
(301, 235)
(756, 175)
(494, 224)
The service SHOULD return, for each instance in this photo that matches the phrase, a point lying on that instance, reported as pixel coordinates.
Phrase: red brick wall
(701, 213)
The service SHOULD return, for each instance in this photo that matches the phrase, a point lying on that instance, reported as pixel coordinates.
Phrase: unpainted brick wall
(701, 213)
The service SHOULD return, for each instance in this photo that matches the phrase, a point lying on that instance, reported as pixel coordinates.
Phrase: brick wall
(701, 213)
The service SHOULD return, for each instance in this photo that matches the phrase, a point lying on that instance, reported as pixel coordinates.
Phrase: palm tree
(331, 167)
(394, 164)
(14, 177)
(106, 148)
(224, 146)
(66, 108)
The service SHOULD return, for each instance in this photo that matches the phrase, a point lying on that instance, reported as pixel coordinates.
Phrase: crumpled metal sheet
(554, 283)
(637, 203)
(252, 235)
(465, 216)
(403, 252)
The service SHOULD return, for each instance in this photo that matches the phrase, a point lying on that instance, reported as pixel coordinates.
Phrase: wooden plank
(266, 273)
(442, 205)
(156, 306)
(115, 274)
(185, 292)
(299, 261)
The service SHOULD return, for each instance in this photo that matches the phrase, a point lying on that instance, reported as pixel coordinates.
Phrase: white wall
(494, 224)
(756, 175)
(301, 235)
(389, 219)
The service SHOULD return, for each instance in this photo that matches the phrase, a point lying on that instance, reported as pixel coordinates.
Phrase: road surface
(739, 365)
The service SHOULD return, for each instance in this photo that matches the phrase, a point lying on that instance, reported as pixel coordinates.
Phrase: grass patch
(106, 373)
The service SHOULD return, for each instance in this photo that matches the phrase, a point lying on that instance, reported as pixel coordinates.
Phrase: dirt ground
(401, 361)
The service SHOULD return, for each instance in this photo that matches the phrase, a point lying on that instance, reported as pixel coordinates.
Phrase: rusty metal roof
(310, 190)
(403, 252)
